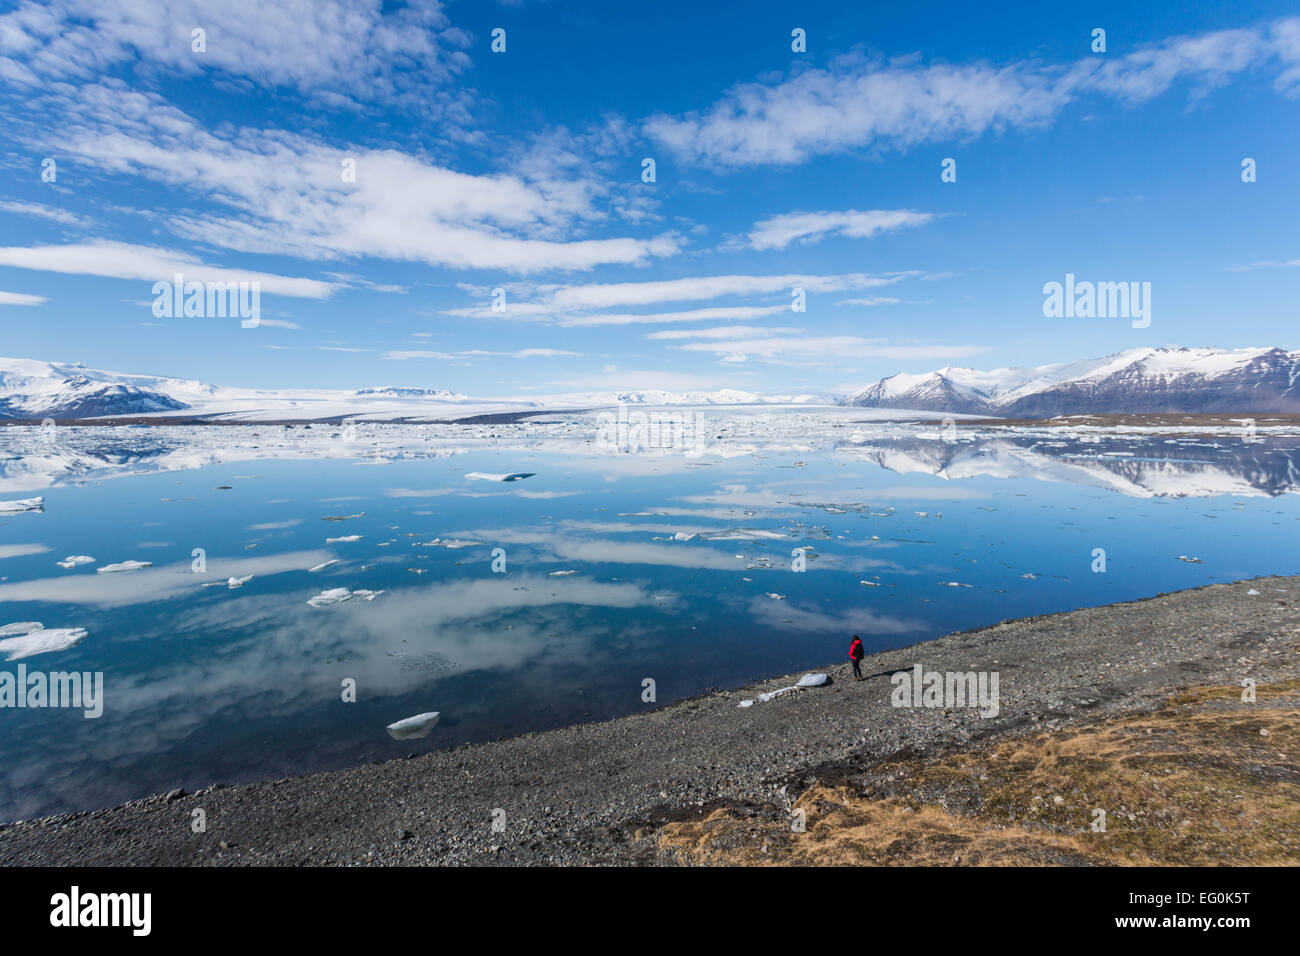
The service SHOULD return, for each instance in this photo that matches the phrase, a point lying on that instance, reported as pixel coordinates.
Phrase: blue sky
(522, 171)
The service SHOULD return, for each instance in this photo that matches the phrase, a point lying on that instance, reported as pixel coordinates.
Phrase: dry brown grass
(1208, 780)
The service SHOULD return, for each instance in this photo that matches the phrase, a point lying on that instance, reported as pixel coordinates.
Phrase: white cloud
(334, 51)
(822, 350)
(41, 211)
(779, 231)
(475, 353)
(859, 102)
(21, 298)
(120, 260)
(282, 193)
(722, 332)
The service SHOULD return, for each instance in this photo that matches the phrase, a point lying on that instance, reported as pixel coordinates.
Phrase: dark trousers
(857, 667)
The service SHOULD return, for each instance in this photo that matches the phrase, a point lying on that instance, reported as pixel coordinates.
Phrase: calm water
(208, 684)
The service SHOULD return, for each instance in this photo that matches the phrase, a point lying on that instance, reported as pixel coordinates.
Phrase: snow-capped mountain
(1135, 381)
(32, 389)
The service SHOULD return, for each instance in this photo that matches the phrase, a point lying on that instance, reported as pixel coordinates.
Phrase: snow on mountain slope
(32, 389)
(1136, 380)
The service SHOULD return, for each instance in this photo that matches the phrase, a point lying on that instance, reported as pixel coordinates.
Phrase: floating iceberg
(72, 560)
(323, 565)
(517, 476)
(445, 543)
(412, 727)
(870, 584)
(41, 640)
(346, 537)
(124, 566)
(342, 517)
(231, 582)
(21, 505)
(562, 574)
(339, 595)
(21, 627)
(684, 536)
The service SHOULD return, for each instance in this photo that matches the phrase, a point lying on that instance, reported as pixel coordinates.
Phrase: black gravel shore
(595, 793)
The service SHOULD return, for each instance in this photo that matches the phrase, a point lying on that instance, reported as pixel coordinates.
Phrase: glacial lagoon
(757, 548)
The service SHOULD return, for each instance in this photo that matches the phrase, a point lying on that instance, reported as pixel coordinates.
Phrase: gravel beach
(598, 793)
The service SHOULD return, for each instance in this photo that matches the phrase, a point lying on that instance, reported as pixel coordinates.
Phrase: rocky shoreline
(603, 793)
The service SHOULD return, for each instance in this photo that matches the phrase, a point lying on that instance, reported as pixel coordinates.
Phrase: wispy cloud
(779, 231)
(120, 260)
(860, 101)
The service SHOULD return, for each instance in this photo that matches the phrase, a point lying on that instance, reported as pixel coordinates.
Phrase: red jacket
(856, 651)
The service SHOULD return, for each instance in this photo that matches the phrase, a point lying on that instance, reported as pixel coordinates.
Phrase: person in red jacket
(856, 653)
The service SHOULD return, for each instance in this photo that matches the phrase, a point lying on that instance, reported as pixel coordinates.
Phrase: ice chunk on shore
(346, 537)
(43, 640)
(124, 566)
(339, 595)
(516, 476)
(808, 680)
(72, 560)
(21, 505)
(412, 727)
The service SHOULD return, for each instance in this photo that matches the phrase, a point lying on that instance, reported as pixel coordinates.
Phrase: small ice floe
(342, 517)
(39, 640)
(515, 476)
(776, 597)
(124, 566)
(339, 595)
(744, 534)
(20, 627)
(1029, 575)
(1252, 591)
(684, 536)
(346, 537)
(231, 582)
(445, 543)
(21, 505)
(921, 514)
(72, 560)
(323, 565)
(562, 574)
(955, 584)
(870, 584)
(1183, 557)
(412, 727)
